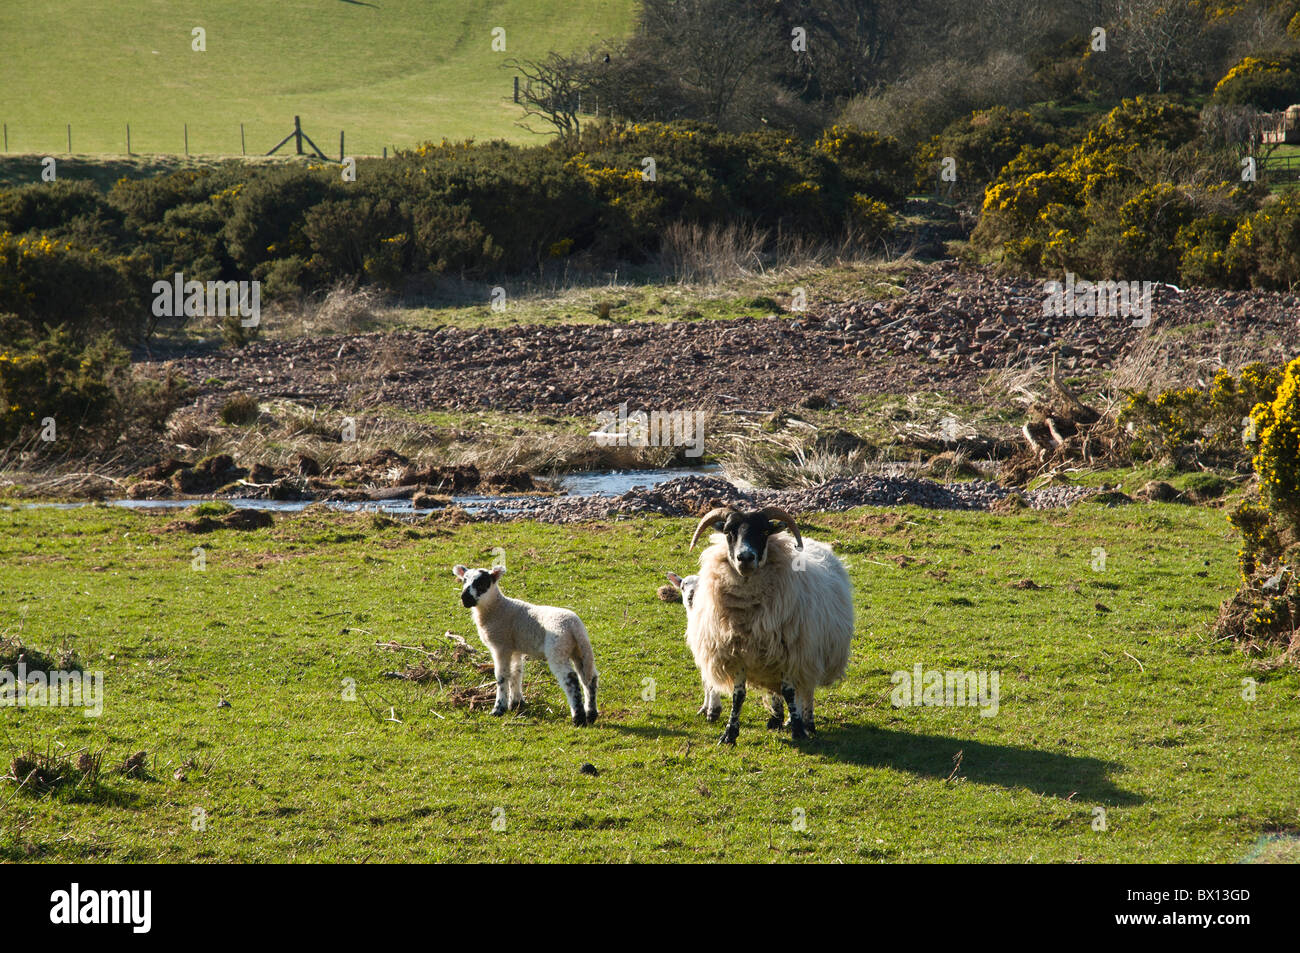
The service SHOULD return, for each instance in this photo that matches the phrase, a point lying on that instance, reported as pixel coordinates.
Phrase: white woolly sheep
(769, 611)
(514, 630)
(712, 706)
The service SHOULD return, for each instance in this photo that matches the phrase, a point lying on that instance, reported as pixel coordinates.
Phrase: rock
(1157, 491)
(149, 490)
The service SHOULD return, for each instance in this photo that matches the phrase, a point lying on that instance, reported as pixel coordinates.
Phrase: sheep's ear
(498, 572)
(459, 571)
(675, 579)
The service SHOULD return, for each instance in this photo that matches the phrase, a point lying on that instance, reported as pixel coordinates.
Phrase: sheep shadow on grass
(1055, 774)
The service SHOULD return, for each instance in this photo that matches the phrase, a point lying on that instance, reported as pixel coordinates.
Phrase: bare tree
(552, 92)
(716, 47)
(1161, 38)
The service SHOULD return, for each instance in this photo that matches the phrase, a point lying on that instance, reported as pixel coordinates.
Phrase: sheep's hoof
(712, 714)
(517, 705)
(579, 718)
(729, 736)
(591, 715)
(499, 710)
(796, 729)
(774, 723)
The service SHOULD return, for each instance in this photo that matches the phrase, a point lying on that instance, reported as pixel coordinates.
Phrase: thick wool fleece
(779, 624)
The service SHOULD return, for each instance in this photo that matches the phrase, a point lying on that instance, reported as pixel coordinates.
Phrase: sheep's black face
(747, 535)
(478, 582)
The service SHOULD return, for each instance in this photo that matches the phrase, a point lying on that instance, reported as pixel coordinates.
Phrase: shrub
(240, 409)
(1266, 607)
(1268, 243)
(47, 282)
(1194, 427)
(1139, 195)
(981, 144)
(1269, 83)
(55, 377)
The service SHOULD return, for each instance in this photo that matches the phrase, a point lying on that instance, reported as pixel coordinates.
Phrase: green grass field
(1111, 696)
(393, 72)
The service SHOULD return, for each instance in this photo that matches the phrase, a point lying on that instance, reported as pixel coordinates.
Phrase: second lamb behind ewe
(514, 630)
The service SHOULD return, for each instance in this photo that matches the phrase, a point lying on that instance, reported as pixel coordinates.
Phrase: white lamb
(514, 630)
(771, 611)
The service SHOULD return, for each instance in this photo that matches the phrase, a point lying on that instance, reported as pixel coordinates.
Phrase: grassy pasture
(396, 72)
(1112, 696)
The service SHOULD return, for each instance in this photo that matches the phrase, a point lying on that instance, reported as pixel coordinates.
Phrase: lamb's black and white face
(747, 535)
(687, 587)
(478, 583)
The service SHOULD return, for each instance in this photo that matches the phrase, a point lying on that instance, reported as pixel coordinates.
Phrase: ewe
(770, 611)
(514, 630)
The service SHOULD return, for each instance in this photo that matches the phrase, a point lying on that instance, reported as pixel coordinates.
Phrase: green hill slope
(387, 72)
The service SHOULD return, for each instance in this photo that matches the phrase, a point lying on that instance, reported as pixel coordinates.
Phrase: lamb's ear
(498, 572)
(459, 571)
(675, 579)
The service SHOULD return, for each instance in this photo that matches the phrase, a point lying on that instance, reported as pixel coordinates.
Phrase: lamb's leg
(562, 669)
(733, 723)
(806, 710)
(517, 681)
(796, 716)
(501, 668)
(778, 711)
(712, 706)
(588, 677)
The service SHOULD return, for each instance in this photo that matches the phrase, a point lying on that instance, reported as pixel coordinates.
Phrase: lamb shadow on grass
(1042, 772)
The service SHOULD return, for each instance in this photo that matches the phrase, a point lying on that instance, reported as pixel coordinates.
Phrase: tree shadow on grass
(1042, 772)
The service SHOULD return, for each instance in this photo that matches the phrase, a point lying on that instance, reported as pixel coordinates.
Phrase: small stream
(608, 483)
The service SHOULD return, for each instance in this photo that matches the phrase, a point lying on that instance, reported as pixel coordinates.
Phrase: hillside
(395, 72)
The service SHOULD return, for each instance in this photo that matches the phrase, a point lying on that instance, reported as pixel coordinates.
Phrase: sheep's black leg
(592, 711)
(733, 723)
(572, 688)
(778, 712)
(796, 719)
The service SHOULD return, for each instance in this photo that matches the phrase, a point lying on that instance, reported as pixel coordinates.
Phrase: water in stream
(592, 483)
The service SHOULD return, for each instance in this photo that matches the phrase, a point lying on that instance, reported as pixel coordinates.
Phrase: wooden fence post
(69, 138)
(243, 151)
(128, 138)
(340, 145)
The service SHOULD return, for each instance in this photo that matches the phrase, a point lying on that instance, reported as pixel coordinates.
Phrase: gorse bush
(1269, 83)
(50, 282)
(1141, 194)
(1266, 607)
(1193, 427)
